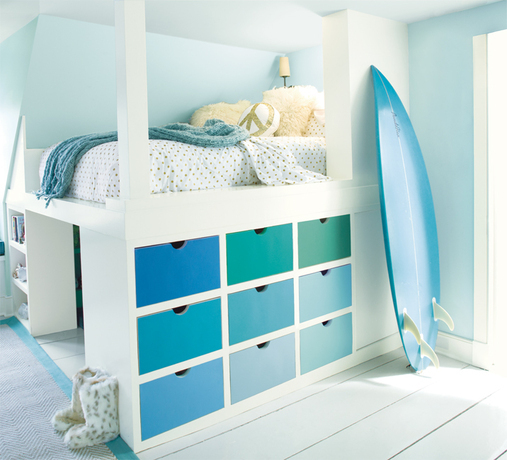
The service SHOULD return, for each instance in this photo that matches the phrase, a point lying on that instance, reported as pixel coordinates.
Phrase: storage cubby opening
(78, 278)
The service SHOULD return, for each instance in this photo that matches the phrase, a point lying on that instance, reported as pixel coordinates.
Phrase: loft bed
(208, 303)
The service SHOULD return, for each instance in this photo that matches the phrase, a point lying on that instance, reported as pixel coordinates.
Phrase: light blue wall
(306, 68)
(71, 85)
(15, 54)
(441, 107)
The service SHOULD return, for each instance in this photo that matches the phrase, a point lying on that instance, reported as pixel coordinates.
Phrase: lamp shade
(284, 67)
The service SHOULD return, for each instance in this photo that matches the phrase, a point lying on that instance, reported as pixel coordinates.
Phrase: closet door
(490, 214)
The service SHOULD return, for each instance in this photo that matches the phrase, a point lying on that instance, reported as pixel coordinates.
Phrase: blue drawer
(255, 369)
(174, 336)
(258, 253)
(260, 310)
(173, 270)
(174, 400)
(325, 292)
(324, 343)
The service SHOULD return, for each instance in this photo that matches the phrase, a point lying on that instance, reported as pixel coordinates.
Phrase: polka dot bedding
(175, 166)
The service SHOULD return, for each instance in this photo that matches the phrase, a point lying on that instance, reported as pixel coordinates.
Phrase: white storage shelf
(48, 255)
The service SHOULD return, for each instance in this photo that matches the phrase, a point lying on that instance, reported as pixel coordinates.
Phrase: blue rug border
(118, 446)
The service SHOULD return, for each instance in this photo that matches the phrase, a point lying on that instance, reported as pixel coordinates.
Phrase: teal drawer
(323, 240)
(260, 368)
(258, 253)
(177, 399)
(326, 342)
(174, 336)
(169, 271)
(260, 310)
(325, 292)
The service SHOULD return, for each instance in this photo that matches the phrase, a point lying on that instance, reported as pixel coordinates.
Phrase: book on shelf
(18, 229)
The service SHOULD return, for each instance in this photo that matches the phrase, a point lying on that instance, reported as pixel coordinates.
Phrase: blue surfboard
(409, 227)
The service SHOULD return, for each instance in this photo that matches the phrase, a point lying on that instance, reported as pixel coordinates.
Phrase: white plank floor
(378, 410)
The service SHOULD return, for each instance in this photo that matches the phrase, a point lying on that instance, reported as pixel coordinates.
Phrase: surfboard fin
(441, 314)
(427, 351)
(410, 326)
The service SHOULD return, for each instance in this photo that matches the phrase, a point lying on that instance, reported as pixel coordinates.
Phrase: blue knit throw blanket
(64, 157)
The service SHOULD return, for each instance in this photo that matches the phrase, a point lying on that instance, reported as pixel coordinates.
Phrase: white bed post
(132, 98)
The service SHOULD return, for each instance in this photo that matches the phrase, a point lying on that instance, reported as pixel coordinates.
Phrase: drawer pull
(327, 323)
(260, 231)
(262, 288)
(181, 310)
(179, 244)
(182, 373)
(324, 221)
(324, 272)
(263, 345)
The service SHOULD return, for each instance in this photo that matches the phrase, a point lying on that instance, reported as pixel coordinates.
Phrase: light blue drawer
(255, 369)
(260, 310)
(173, 270)
(325, 292)
(174, 400)
(174, 336)
(258, 253)
(322, 344)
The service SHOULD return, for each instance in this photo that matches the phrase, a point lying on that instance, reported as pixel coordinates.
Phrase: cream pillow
(295, 106)
(229, 113)
(260, 120)
(314, 128)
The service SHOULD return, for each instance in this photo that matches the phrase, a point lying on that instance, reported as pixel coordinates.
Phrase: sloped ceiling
(275, 25)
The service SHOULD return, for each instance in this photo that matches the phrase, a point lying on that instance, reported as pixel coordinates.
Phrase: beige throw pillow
(229, 113)
(295, 105)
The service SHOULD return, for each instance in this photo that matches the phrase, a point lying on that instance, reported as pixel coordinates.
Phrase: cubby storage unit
(225, 322)
(48, 248)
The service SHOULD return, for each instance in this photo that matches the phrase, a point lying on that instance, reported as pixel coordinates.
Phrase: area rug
(32, 389)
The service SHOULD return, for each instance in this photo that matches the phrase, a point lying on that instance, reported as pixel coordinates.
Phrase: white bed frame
(110, 232)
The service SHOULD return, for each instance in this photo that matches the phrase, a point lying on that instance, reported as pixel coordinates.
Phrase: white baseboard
(455, 347)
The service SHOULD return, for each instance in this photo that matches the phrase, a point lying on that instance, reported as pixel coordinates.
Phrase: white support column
(132, 98)
(352, 42)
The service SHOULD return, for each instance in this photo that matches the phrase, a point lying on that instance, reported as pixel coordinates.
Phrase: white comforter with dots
(175, 166)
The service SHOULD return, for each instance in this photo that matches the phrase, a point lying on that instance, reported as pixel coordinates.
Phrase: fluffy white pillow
(260, 120)
(229, 113)
(295, 105)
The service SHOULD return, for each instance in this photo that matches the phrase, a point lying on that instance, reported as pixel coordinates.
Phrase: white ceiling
(276, 25)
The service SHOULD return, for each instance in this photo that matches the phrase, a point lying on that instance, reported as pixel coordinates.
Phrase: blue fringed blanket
(64, 157)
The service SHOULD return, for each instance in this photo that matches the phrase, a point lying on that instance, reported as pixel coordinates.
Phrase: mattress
(175, 166)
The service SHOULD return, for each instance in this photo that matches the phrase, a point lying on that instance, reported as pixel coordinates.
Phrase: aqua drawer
(326, 342)
(262, 367)
(258, 253)
(325, 292)
(179, 398)
(323, 240)
(260, 310)
(174, 336)
(173, 270)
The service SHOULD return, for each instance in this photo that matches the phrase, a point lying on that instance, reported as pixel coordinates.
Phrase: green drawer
(323, 240)
(258, 253)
